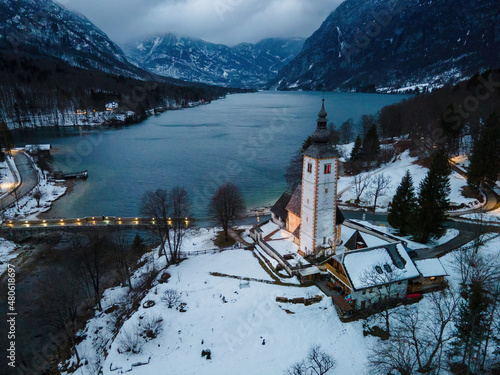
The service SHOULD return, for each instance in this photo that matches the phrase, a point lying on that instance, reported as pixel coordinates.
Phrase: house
(369, 275)
(112, 106)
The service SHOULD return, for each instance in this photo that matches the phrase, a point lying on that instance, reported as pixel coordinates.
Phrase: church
(352, 262)
(311, 213)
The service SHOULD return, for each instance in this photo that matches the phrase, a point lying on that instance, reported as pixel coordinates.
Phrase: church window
(309, 167)
(328, 168)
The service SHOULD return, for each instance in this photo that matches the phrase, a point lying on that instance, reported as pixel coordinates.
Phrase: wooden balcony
(339, 276)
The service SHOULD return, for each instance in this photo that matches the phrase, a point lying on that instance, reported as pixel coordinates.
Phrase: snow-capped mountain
(43, 27)
(244, 65)
(397, 43)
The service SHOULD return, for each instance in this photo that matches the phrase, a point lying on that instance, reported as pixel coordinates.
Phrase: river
(246, 138)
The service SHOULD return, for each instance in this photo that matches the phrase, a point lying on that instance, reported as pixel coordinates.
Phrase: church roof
(294, 205)
(321, 151)
(320, 148)
(279, 208)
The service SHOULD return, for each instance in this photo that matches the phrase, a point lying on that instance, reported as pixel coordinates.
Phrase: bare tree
(227, 204)
(156, 205)
(62, 300)
(121, 252)
(38, 196)
(391, 355)
(168, 209)
(93, 265)
(15, 194)
(180, 209)
(361, 182)
(385, 287)
(380, 184)
(171, 297)
(317, 362)
(418, 337)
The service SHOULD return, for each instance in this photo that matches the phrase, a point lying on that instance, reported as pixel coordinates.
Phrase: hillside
(43, 27)
(369, 44)
(244, 65)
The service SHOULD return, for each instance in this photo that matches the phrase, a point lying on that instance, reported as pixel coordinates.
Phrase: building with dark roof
(279, 213)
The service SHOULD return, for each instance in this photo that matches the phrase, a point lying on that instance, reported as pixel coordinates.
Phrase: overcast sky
(219, 21)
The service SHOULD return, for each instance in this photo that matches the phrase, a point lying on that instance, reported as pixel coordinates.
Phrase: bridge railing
(90, 221)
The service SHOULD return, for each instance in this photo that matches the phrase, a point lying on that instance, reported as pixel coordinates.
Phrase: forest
(38, 90)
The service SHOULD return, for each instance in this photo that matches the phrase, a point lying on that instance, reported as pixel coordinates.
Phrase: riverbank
(36, 193)
(92, 118)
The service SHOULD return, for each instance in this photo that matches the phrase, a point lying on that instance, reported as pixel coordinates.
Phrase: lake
(246, 138)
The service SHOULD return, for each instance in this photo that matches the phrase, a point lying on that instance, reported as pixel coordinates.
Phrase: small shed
(38, 149)
(308, 273)
(432, 276)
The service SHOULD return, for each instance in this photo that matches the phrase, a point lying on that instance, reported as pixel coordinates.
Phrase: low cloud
(219, 21)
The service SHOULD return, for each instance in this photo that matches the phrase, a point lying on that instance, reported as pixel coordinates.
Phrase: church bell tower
(318, 228)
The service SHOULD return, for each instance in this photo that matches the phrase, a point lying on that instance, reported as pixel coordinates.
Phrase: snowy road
(29, 178)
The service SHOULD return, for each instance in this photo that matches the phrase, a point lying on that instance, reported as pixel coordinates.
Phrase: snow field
(230, 319)
(396, 171)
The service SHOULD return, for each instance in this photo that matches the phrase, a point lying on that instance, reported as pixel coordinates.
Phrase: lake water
(246, 138)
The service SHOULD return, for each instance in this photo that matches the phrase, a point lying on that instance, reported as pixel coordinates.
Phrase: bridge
(88, 222)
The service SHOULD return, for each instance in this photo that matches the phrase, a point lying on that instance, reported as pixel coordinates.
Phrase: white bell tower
(318, 228)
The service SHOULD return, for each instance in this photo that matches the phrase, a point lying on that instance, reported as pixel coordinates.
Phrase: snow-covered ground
(6, 253)
(242, 325)
(231, 321)
(396, 171)
(492, 217)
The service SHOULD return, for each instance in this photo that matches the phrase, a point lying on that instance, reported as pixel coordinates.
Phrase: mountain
(244, 65)
(365, 44)
(42, 27)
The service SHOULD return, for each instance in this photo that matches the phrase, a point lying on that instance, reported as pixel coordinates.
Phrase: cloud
(219, 21)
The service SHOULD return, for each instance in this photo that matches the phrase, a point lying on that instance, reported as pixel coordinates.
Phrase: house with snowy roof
(369, 275)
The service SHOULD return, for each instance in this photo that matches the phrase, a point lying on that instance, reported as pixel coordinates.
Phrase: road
(29, 178)
(468, 232)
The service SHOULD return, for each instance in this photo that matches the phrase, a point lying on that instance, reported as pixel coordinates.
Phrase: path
(29, 178)
(235, 236)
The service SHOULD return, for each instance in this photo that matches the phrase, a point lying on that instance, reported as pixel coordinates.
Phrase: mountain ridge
(418, 42)
(193, 59)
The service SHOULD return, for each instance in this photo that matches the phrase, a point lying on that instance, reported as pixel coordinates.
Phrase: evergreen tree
(433, 202)
(485, 160)
(305, 145)
(403, 206)
(371, 144)
(6, 137)
(356, 150)
(452, 131)
(471, 324)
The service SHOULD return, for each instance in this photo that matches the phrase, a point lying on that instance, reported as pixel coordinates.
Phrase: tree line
(37, 89)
